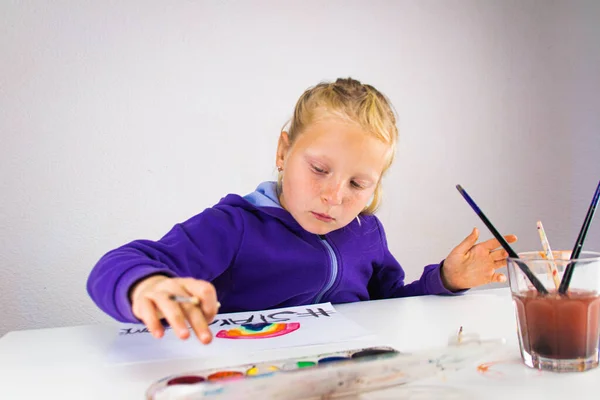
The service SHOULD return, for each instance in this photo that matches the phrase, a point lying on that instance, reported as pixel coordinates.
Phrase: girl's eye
(356, 185)
(318, 170)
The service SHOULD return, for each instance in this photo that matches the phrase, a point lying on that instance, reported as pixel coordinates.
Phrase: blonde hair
(355, 102)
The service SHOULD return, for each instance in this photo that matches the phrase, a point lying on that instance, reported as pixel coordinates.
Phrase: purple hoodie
(258, 257)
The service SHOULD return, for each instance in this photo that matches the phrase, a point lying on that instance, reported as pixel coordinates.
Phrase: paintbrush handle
(532, 278)
(190, 300)
(183, 299)
(553, 272)
(566, 279)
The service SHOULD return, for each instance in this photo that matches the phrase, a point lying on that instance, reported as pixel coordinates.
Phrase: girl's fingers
(172, 313)
(499, 255)
(148, 315)
(511, 238)
(500, 264)
(198, 323)
(207, 295)
(497, 277)
(156, 303)
(492, 244)
(465, 246)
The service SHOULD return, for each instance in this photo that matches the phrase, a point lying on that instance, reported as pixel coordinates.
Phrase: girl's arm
(202, 248)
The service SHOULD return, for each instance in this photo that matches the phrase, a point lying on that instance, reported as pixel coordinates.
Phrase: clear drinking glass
(557, 332)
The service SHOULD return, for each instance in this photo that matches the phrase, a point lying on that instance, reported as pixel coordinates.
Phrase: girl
(310, 237)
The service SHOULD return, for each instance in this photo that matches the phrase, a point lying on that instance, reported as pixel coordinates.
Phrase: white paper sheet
(234, 333)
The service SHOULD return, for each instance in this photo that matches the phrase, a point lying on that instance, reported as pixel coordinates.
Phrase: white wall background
(119, 119)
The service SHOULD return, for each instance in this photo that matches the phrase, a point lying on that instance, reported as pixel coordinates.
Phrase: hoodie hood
(263, 200)
(265, 195)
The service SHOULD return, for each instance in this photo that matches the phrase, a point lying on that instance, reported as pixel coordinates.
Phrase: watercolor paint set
(328, 375)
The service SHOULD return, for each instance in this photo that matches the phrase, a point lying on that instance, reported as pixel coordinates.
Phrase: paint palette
(332, 374)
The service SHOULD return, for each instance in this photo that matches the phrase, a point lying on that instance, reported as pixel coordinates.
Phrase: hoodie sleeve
(202, 247)
(387, 280)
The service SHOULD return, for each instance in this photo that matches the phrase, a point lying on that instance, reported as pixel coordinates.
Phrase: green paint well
(305, 364)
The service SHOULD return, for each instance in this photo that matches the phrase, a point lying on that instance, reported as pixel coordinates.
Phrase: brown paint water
(560, 327)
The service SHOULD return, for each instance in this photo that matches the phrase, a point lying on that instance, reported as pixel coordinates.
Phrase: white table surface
(70, 363)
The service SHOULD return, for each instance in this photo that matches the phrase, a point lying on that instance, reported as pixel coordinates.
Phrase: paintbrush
(547, 254)
(532, 278)
(568, 274)
(190, 300)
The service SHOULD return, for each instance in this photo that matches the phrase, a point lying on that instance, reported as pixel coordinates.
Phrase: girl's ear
(283, 146)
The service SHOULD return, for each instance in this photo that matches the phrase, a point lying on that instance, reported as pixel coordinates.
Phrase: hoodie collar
(265, 195)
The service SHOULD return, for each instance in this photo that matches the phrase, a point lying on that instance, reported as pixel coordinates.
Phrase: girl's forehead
(339, 132)
(344, 144)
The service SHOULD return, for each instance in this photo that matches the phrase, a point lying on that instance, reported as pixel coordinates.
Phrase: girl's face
(329, 173)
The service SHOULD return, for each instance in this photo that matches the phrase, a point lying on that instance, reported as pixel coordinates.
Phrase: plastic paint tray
(323, 375)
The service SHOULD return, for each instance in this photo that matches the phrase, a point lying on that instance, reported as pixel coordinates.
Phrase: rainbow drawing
(259, 331)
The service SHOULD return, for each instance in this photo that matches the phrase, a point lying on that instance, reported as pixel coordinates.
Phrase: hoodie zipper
(334, 269)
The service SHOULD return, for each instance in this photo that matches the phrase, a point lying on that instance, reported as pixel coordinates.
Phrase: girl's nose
(332, 194)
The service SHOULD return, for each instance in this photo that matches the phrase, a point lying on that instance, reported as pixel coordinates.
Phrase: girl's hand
(150, 301)
(470, 264)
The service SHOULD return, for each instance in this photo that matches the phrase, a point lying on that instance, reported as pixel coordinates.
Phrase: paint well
(225, 375)
(306, 364)
(374, 352)
(332, 359)
(291, 366)
(185, 380)
(262, 370)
